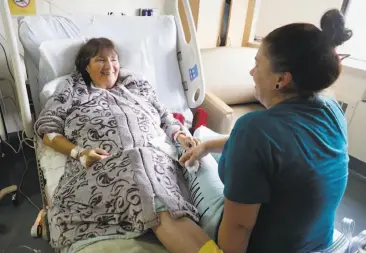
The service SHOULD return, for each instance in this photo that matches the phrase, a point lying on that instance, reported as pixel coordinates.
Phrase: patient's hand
(194, 154)
(91, 155)
(187, 142)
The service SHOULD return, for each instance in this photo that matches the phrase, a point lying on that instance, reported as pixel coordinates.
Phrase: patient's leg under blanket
(206, 193)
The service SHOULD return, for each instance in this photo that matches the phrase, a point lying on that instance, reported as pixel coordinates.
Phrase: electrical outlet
(343, 106)
(258, 38)
(348, 108)
(364, 96)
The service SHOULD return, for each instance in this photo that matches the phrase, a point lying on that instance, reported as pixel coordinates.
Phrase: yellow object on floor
(8, 190)
(36, 230)
(210, 247)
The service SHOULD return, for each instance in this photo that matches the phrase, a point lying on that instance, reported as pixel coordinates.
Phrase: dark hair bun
(333, 26)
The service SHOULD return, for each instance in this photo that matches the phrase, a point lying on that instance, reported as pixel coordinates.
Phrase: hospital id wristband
(176, 134)
(75, 152)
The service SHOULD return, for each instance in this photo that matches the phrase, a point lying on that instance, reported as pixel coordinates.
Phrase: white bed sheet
(52, 165)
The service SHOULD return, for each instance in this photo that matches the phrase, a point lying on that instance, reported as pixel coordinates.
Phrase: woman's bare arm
(215, 146)
(201, 150)
(236, 226)
(60, 144)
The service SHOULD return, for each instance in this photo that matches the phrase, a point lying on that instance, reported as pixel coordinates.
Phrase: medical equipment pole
(3, 126)
(16, 62)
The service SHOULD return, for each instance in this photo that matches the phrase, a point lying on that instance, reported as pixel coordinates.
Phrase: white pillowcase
(205, 134)
(57, 58)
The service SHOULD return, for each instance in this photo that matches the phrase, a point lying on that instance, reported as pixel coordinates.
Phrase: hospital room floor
(16, 221)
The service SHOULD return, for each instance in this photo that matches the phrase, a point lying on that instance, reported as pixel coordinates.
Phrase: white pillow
(205, 134)
(166, 76)
(135, 56)
(56, 85)
(57, 58)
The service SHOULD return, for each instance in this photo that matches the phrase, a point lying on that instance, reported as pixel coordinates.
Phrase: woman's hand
(194, 154)
(91, 155)
(187, 142)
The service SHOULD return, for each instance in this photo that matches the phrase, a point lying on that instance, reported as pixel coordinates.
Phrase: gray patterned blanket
(117, 195)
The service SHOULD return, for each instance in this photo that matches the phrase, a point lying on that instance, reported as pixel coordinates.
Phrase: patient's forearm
(59, 144)
(216, 146)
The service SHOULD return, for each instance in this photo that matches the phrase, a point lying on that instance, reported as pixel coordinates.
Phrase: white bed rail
(190, 57)
(20, 84)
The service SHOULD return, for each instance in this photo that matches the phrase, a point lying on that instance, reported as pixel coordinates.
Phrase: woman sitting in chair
(284, 170)
(115, 182)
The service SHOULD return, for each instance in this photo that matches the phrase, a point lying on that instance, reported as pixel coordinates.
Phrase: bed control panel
(193, 72)
(189, 56)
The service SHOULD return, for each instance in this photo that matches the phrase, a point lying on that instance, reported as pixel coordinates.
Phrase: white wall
(3, 68)
(355, 20)
(356, 135)
(6, 87)
(273, 13)
(237, 22)
(129, 7)
(209, 22)
(350, 88)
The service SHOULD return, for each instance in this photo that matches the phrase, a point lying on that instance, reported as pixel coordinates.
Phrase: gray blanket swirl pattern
(116, 195)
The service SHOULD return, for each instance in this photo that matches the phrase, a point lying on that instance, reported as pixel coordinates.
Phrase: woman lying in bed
(115, 181)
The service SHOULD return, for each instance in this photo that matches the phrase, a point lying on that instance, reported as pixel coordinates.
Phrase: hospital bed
(153, 46)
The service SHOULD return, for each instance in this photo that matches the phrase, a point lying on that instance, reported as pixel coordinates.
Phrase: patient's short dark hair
(90, 50)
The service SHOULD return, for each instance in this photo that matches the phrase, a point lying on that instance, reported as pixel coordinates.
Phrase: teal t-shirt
(293, 160)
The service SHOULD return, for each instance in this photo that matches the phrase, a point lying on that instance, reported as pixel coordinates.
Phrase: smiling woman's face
(264, 78)
(104, 68)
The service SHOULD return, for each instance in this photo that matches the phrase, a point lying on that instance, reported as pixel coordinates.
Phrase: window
(356, 21)
(225, 23)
